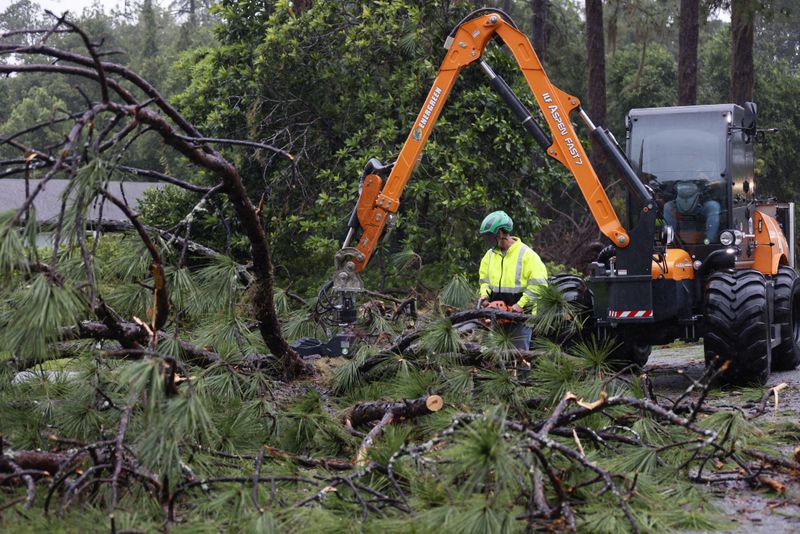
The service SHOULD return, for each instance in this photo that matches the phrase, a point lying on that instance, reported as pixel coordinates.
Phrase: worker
(692, 201)
(510, 272)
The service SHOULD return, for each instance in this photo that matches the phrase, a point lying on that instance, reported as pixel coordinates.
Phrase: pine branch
(186, 486)
(118, 453)
(205, 157)
(27, 478)
(160, 293)
(774, 460)
(372, 435)
(405, 341)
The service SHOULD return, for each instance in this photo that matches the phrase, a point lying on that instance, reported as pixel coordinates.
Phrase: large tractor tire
(577, 293)
(574, 289)
(737, 326)
(786, 356)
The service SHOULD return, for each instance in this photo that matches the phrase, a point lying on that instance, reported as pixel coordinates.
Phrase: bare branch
(113, 68)
(238, 142)
(97, 63)
(165, 178)
(68, 69)
(118, 452)
(59, 163)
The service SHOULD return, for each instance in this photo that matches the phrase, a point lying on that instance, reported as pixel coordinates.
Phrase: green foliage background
(340, 82)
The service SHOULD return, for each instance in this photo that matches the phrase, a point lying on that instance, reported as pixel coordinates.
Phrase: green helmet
(495, 221)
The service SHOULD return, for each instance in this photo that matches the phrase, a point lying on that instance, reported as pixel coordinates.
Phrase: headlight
(727, 238)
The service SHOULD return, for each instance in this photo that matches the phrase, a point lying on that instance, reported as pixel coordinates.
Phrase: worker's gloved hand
(516, 308)
(483, 302)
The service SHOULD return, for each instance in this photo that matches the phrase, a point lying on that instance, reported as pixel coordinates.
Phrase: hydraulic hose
(517, 107)
(479, 12)
(622, 167)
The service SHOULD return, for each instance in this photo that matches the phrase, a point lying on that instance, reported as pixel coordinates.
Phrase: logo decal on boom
(562, 129)
(427, 113)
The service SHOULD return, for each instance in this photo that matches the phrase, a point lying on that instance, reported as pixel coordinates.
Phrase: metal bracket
(345, 277)
(346, 284)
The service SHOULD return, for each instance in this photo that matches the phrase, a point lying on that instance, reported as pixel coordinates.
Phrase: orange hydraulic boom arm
(378, 202)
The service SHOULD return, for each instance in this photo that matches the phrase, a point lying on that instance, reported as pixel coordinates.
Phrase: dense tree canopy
(339, 104)
(338, 84)
(336, 105)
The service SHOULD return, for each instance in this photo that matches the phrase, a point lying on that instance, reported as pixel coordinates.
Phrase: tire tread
(736, 325)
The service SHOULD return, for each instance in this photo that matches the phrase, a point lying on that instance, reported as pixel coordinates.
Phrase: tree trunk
(687, 52)
(743, 14)
(596, 60)
(611, 30)
(541, 9)
(507, 4)
(250, 221)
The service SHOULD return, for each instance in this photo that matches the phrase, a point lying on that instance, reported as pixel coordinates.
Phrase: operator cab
(690, 156)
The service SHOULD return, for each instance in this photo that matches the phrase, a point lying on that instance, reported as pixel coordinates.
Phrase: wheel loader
(700, 254)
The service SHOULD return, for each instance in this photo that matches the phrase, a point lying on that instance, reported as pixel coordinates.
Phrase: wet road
(752, 511)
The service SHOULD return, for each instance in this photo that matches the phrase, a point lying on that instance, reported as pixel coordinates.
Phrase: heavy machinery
(700, 256)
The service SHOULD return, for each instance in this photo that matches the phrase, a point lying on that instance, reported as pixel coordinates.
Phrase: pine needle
(44, 308)
(458, 293)
(405, 260)
(12, 248)
(221, 286)
(555, 316)
(480, 457)
(440, 336)
(594, 356)
(183, 291)
(299, 325)
(459, 384)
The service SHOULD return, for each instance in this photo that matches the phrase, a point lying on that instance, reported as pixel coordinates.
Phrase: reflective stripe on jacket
(516, 275)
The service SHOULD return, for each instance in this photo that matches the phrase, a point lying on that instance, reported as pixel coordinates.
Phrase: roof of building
(48, 202)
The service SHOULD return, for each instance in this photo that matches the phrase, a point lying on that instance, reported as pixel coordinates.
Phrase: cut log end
(434, 403)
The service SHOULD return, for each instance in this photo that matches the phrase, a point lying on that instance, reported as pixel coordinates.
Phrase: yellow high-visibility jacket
(515, 277)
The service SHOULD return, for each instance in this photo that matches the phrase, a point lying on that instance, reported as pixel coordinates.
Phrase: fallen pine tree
(441, 427)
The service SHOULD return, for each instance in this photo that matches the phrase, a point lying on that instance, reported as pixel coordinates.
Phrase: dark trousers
(521, 336)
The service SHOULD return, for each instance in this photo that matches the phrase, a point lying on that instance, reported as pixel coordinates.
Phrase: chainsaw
(498, 305)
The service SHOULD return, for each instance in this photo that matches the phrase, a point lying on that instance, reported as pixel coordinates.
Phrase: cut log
(372, 411)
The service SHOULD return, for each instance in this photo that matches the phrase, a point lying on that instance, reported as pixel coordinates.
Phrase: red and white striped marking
(630, 314)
